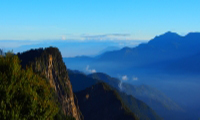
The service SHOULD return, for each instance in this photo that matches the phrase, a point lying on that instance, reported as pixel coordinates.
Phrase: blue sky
(96, 19)
(87, 27)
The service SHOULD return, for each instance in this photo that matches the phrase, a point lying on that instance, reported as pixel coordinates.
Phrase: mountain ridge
(166, 47)
(102, 94)
(49, 64)
(154, 98)
(138, 107)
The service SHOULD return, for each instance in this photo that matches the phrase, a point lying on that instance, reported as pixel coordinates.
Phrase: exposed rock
(49, 64)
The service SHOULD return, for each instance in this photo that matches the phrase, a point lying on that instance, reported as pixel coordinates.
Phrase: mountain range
(168, 65)
(154, 98)
(168, 62)
(82, 83)
(83, 104)
(167, 48)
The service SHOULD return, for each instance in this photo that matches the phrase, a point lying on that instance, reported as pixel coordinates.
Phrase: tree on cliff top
(23, 94)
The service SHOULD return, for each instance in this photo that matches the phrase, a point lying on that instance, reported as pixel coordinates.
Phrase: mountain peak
(48, 63)
(165, 38)
(169, 34)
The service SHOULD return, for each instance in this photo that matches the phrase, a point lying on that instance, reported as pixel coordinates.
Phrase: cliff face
(49, 64)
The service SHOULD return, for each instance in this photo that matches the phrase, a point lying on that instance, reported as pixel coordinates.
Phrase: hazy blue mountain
(189, 64)
(169, 46)
(81, 82)
(157, 100)
(168, 62)
(114, 82)
(186, 65)
(79, 62)
(141, 109)
(109, 48)
(165, 48)
(68, 48)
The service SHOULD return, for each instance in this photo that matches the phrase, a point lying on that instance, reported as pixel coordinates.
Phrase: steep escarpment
(48, 63)
(99, 102)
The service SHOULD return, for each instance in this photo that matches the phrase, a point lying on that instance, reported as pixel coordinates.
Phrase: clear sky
(96, 19)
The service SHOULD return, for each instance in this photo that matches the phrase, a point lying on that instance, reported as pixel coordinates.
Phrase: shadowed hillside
(140, 109)
(99, 102)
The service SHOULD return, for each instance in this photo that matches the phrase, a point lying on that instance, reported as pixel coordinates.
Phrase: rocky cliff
(49, 64)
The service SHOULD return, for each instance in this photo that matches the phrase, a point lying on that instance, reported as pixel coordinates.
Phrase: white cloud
(90, 70)
(124, 78)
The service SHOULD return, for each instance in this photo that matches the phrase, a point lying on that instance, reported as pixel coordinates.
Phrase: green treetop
(23, 94)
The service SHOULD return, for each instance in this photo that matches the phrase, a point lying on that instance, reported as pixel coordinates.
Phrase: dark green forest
(24, 94)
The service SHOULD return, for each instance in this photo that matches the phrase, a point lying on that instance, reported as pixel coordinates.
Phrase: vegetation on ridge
(24, 94)
(49, 65)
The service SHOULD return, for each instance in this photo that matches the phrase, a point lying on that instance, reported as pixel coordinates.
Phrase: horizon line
(99, 37)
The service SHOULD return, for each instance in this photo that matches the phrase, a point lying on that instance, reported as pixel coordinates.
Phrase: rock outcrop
(48, 63)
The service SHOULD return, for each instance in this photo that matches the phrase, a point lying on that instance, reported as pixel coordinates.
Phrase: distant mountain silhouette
(110, 48)
(165, 48)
